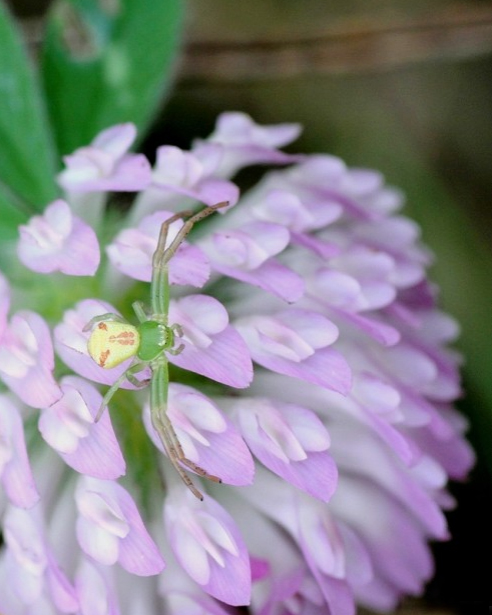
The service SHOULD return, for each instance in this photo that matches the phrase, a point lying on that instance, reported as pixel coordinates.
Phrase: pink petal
(250, 246)
(359, 565)
(285, 590)
(109, 518)
(211, 346)
(372, 270)
(116, 140)
(272, 276)
(238, 128)
(4, 303)
(401, 534)
(104, 165)
(283, 350)
(189, 266)
(211, 191)
(59, 241)
(95, 592)
(208, 191)
(291, 441)
(96, 543)
(27, 360)
(245, 143)
(15, 470)
(334, 288)
(209, 547)
(226, 360)
(322, 548)
(34, 567)
(175, 167)
(131, 174)
(451, 452)
(289, 209)
(395, 479)
(206, 314)
(207, 436)
(95, 451)
(191, 603)
(401, 443)
(379, 594)
(317, 330)
(61, 590)
(384, 334)
(322, 248)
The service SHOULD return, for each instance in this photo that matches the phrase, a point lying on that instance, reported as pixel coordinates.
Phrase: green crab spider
(115, 340)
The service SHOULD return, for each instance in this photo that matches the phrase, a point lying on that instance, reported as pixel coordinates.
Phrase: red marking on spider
(125, 338)
(103, 357)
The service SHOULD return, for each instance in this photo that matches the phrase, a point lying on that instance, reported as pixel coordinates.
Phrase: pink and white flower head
(311, 373)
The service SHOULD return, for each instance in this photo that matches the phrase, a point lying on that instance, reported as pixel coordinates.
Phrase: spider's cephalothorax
(114, 340)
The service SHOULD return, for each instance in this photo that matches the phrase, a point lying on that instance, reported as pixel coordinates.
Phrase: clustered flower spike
(311, 373)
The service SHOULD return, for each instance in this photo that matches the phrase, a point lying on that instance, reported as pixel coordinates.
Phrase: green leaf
(106, 62)
(26, 153)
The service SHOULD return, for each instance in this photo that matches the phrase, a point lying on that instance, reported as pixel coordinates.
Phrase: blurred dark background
(401, 86)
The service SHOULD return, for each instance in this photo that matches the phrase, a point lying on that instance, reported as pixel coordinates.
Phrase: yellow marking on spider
(111, 343)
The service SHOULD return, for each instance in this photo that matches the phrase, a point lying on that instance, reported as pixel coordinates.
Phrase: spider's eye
(111, 343)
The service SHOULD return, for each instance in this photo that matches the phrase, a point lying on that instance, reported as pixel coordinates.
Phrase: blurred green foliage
(103, 63)
(26, 153)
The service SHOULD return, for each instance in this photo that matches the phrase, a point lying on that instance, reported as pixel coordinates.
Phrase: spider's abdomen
(154, 339)
(111, 343)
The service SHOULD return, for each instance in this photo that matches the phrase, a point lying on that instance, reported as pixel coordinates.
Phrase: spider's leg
(164, 257)
(178, 350)
(103, 318)
(191, 464)
(126, 375)
(161, 244)
(163, 432)
(178, 452)
(178, 332)
(139, 309)
(165, 429)
(139, 384)
(159, 286)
